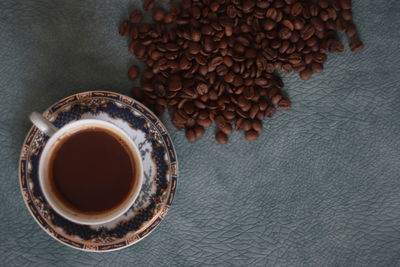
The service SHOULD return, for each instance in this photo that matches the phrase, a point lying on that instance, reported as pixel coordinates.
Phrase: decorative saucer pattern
(159, 165)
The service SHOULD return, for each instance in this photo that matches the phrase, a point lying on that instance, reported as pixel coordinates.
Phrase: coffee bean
(270, 112)
(254, 110)
(275, 99)
(202, 88)
(345, 4)
(285, 33)
(199, 131)
(251, 135)
(148, 4)
(158, 14)
(356, 45)
(297, 9)
(191, 135)
(188, 107)
(317, 67)
(284, 104)
(217, 60)
(307, 32)
(175, 85)
(341, 24)
(133, 72)
(124, 28)
(347, 14)
(246, 125)
(204, 122)
(351, 30)
(227, 129)
(256, 125)
(220, 121)
(199, 104)
(306, 74)
(269, 25)
(136, 17)
(229, 115)
(221, 137)
(323, 4)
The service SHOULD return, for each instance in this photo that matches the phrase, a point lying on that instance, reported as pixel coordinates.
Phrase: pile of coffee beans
(216, 60)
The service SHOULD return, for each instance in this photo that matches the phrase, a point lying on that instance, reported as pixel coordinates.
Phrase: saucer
(160, 170)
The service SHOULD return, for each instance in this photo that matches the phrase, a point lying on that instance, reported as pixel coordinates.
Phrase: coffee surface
(92, 171)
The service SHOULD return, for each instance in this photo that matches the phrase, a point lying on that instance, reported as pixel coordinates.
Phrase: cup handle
(44, 125)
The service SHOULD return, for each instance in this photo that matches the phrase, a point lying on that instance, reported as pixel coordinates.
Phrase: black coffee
(92, 171)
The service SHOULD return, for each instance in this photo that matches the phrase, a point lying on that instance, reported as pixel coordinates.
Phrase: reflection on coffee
(92, 171)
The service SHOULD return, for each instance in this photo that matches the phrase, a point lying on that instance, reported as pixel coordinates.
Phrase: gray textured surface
(320, 188)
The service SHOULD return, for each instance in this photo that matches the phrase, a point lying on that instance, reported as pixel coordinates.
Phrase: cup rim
(63, 210)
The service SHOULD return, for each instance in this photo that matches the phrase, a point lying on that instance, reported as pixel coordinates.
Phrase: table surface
(319, 188)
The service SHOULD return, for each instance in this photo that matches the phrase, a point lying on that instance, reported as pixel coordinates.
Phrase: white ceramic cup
(56, 135)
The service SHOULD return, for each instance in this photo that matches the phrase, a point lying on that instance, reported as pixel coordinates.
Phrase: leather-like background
(321, 187)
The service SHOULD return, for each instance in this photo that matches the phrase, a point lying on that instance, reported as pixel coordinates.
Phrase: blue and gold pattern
(159, 163)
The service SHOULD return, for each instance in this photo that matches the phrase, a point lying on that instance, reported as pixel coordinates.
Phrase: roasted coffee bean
(229, 115)
(317, 67)
(133, 72)
(220, 121)
(221, 137)
(270, 112)
(124, 28)
(158, 14)
(227, 129)
(200, 104)
(345, 4)
(217, 60)
(251, 135)
(284, 104)
(175, 85)
(254, 110)
(306, 74)
(351, 30)
(204, 122)
(191, 135)
(275, 99)
(356, 45)
(148, 4)
(199, 130)
(202, 88)
(136, 17)
(256, 125)
(347, 14)
(246, 125)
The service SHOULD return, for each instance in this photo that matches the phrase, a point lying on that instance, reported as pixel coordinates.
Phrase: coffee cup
(90, 171)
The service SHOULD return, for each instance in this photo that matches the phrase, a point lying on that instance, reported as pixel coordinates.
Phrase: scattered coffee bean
(133, 72)
(251, 135)
(199, 130)
(148, 4)
(216, 61)
(136, 17)
(347, 14)
(345, 4)
(191, 135)
(351, 30)
(221, 137)
(256, 125)
(356, 45)
(158, 14)
(124, 28)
